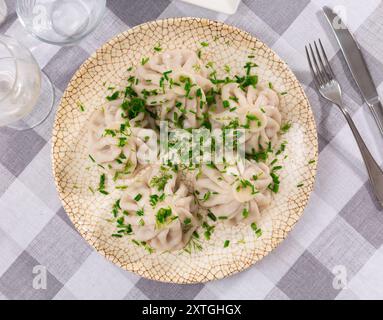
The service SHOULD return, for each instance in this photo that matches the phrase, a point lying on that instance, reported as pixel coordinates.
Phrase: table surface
(334, 252)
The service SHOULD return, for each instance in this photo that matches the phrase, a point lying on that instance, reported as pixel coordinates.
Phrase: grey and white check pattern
(342, 225)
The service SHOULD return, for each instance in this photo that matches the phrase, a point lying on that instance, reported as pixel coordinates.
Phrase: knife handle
(375, 173)
(377, 111)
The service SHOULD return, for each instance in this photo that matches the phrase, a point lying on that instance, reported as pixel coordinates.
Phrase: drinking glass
(26, 94)
(60, 22)
(3, 11)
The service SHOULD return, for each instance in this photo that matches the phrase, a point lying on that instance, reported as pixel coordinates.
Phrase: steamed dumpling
(160, 209)
(234, 193)
(174, 85)
(115, 144)
(255, 110)
(267, 100)
(110, 147)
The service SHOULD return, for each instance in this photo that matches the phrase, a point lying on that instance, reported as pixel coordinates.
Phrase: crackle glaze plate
(89, 212)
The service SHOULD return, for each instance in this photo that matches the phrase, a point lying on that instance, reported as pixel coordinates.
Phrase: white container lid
(224, 6)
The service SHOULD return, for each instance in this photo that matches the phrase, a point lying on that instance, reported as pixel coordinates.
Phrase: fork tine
(327, 63)
(321, 80)
(311, 68)
(325, 75)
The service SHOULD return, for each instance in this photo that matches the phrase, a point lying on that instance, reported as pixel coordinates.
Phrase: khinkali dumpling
(234, 193)
(159, 208)
(255, 110)
(174, 85)
(115, 144)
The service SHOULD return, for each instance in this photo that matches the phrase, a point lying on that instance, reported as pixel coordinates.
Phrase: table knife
(357, 65)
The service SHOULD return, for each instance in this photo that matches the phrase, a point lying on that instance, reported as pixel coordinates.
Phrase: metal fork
(330, 89)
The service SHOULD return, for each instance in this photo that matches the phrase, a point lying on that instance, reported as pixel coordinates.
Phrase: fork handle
(375, 173)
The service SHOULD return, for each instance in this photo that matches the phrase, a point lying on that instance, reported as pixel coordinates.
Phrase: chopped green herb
(81, 106)
(114, 96)
(212, 216)
(101, 187)
(248, 66)
(116, 208)
(204, 44)
(109, 132)
(162, 215)
(226, 243)
(144, 61)
(138, 197)
(122, 142)
(160, 181)
(257, 231)
(286, 127)
(166, 74)
(117, 235)
(206, 196)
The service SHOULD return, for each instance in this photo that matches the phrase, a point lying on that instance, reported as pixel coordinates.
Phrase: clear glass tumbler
(3, 11)
(60, 22)
(26, 94)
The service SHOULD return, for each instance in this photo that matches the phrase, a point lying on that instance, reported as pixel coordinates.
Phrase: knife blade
(357, 65)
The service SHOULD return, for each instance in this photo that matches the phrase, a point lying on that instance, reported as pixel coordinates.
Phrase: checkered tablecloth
(341, 231)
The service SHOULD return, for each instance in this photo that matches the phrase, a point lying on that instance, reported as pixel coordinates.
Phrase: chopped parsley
(208, 230)
(114, 96)
(116, 208)
(226, 243)
(81, 106)
(274, 186)
(212, 216)
(286, 127)
(160, 182)
(101, 187)
(248, 66)
(162, 215)
(257, 231)
(155, 198)
(226, 104)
